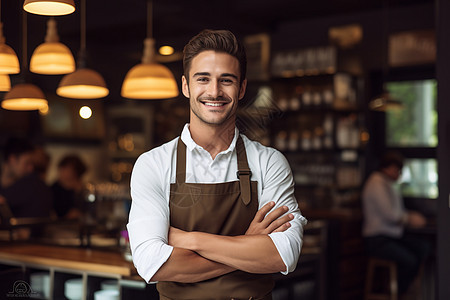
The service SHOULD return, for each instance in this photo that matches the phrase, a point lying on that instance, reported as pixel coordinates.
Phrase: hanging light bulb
(49, 7)
(84, 83)
(25, 96)
(52, 57)
(149, 80)
(9, 63)
(5, 83)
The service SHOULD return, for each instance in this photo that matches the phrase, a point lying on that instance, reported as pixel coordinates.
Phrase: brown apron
(222, 208)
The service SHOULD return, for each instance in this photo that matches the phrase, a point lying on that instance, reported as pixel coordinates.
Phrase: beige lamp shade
(9, 63)
(149, 81)
(25, 96)
(83, 84)
(52, 59)
(49, 7)
(5, 83)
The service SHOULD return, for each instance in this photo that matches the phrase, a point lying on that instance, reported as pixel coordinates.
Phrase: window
(419, 178)
(413, 130)
(415, 125)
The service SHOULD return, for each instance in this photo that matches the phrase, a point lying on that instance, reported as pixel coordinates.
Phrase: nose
(214, 89)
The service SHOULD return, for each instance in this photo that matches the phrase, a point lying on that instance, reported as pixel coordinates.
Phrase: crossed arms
(199, 256)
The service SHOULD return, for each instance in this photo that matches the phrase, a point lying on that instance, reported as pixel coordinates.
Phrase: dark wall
(443, 77)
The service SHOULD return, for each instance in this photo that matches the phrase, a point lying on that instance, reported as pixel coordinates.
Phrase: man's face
(21, 165)
(214, 87)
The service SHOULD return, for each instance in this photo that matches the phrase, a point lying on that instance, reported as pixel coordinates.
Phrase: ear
(242, 89)
(185, 87)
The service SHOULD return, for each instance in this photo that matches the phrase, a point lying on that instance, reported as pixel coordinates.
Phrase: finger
(279, 222)
(260, 214)
(283, 227)
(274, 215)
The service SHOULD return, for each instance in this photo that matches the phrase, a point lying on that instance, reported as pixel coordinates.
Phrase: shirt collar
(191, 145)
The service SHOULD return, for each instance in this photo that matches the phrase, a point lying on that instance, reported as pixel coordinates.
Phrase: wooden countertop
(81, 259)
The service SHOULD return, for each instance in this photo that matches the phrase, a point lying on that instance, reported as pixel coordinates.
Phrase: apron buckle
(243, 172)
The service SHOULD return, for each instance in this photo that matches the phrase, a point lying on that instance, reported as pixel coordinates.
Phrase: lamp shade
(49, 7)
(5, 83)
(149, 81)
(25, 96)
(84, 83)
(52, 59)
(9, 63)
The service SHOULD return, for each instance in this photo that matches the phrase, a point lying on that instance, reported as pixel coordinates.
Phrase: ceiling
(116, 29)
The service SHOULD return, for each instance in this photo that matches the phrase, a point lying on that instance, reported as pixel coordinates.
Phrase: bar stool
(391, 268)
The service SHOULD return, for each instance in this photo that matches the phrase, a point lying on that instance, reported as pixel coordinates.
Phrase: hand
(416, 219)
(273, 222)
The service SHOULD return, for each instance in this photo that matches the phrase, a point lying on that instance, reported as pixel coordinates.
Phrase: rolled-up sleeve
(278, 186)
(149, 217)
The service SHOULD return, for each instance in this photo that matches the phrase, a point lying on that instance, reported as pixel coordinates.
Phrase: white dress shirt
(155, 170)
(383, 207)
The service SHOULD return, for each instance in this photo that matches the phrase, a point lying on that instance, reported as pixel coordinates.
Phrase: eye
(202, 79)
(227, 81)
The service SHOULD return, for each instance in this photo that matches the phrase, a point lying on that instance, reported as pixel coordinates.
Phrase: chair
(375, 264)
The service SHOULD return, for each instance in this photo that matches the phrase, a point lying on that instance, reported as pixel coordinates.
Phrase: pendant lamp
(49, 7)
(52, 57)
(149, 80)
(9, 63)
(25, 96)
(84, 83)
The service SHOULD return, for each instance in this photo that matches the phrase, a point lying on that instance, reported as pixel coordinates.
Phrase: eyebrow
(221, 75)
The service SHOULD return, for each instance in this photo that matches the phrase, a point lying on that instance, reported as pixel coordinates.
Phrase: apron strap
(243, 172)
(181, 162)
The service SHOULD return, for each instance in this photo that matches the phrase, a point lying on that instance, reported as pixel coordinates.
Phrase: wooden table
(68, 258)
(93, 266)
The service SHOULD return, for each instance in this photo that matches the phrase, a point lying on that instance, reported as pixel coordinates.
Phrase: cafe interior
(331, 84)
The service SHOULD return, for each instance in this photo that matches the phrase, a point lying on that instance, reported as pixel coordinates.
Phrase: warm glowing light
(25, 96)
(49, 7)
(83, 84)
(52, 57)
(166, 50)
(9, 63)
(85, 112)
(149, 80)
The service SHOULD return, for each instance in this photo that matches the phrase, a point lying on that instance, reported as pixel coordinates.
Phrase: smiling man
(213, 213)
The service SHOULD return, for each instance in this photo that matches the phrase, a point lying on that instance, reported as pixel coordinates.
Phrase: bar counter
(81, 259)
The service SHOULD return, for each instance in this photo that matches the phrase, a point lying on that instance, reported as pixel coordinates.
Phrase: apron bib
(222, 208)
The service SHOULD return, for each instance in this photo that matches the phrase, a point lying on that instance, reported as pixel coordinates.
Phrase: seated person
(385, 219)
(68, 188)
(25, 193)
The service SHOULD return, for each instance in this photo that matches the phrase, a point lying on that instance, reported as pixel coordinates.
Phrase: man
(21, 189)
(200, 222)
(68, 188)
(385, 219)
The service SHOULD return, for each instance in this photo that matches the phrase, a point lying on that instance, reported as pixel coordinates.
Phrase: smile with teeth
(215, 104)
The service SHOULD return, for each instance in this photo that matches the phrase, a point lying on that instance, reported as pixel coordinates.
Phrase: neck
(213, 139)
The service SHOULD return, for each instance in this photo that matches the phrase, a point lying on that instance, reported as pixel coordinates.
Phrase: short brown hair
(216, 40)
